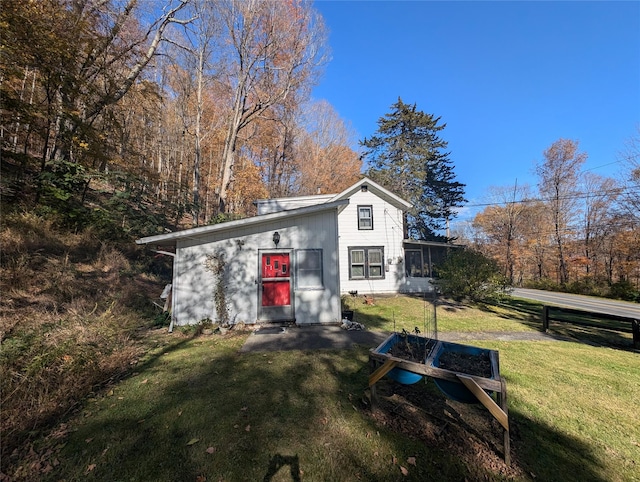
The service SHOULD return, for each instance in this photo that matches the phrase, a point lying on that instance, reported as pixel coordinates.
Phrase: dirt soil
(412, 349)
(478, 365)
(421, 412)
(416, 351)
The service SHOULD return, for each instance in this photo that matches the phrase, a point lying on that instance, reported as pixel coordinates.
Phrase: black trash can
(347, 314)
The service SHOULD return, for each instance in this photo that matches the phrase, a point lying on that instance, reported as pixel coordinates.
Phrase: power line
(578, 195)
(603, 165)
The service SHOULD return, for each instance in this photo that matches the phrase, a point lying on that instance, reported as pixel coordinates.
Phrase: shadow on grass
(588, 328)
(593, 335)
(538, 450)
(199, 410)
(279, 461)
(526, 312)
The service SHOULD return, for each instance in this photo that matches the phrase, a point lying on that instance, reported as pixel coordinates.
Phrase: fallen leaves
(403, 469)
(193, 441)
(211, 450)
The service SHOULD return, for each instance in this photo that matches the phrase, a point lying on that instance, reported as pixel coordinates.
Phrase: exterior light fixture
(276, 238)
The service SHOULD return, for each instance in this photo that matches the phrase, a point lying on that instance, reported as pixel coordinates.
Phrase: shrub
(624, 290)
(586, 286)
(467, 273)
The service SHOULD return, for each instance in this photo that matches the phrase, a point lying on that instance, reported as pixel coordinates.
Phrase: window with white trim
(309, 269)
(365, 217)
(366, 262)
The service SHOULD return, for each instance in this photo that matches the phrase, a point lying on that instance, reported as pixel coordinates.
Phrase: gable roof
(170, 239)
(266, 206)
(377, 189)
(388, 196)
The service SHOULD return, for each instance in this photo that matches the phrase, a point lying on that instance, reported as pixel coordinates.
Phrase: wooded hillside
(195, 108)
(122, 119)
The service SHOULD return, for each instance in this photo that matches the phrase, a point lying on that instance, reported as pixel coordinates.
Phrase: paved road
(579, 302)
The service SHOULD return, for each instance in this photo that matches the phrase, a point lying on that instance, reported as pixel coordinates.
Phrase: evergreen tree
(407, 156)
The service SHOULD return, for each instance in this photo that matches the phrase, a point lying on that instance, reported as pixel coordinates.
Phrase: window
(413, 263)
(375, 263)
(366, 262)
(309, 269)
(357, 263)
(365, 217)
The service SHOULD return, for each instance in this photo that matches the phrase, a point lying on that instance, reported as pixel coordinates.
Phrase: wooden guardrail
(634, 324)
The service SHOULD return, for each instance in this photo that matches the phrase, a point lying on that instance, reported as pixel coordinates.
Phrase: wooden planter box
(459, 380)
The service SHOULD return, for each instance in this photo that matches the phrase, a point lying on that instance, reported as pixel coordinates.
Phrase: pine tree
(407, 156)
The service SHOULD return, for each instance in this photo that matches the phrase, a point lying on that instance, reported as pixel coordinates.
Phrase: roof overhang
(438, 244)
(169, 239)
(376, 188)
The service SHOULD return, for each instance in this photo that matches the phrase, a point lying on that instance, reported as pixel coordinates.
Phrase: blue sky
(508, 78)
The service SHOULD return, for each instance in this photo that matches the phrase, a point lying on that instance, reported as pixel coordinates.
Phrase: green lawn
(398, 312)
(196, 409)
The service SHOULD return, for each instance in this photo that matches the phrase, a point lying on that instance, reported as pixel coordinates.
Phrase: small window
(308, 269)
(366, 262)
(365, 217)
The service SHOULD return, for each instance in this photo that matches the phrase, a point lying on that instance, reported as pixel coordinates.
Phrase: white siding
(194, 285)
(268, 206)
(387, 232)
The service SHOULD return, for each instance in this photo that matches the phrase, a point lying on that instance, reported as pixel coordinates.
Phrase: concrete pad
(332, 337)
(316, 337)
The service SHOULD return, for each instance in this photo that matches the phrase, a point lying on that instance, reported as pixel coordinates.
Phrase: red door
(275, 292)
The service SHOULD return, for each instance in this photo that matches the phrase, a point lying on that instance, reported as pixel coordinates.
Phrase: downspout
(339, 255)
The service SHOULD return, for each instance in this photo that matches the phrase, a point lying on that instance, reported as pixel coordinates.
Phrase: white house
(281, 266)
(294, 259)
(375, 254)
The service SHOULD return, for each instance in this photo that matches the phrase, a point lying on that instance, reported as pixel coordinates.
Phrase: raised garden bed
(408, 347)
(463, 373)
(418, 356)
(467, 360)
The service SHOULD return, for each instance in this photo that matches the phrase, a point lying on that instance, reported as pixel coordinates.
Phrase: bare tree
(503, 224)
(324, 157)
(274, 49)
(599, 201)
(558, 179)
(630, 157)
(197, 49)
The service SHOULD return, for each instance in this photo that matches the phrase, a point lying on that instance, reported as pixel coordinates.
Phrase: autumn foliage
(575, 233)
(194, 110)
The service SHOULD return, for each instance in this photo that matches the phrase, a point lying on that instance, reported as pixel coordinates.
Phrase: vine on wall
(216, 264)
